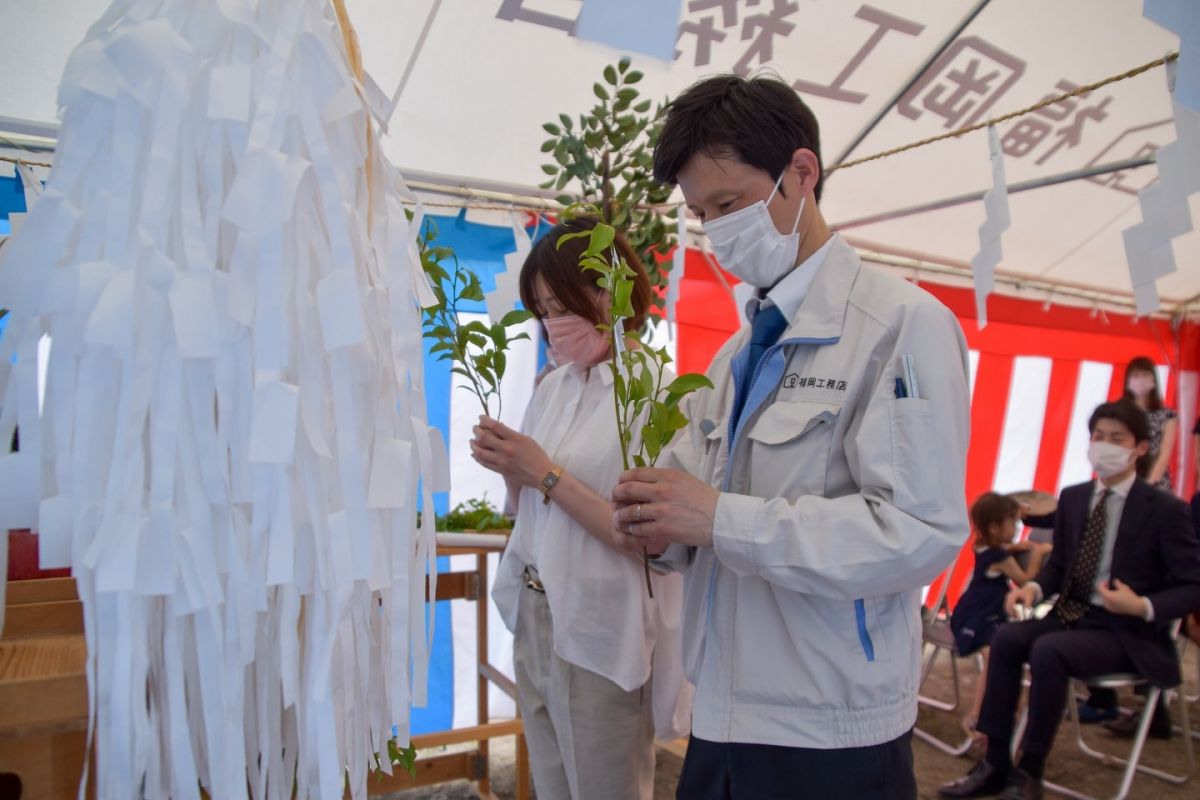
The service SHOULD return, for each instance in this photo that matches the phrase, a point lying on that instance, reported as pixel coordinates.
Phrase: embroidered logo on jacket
(796, 381)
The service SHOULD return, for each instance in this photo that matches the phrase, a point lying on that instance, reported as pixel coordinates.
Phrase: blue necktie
(768, 323)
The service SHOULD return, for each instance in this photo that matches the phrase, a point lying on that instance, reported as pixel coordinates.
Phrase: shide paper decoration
(995, 205)
(234, 432)
(1164, 205)
(507, 294)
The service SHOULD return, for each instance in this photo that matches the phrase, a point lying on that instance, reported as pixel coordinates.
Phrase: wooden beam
(436, 769)
(477, 733)
(502, 681)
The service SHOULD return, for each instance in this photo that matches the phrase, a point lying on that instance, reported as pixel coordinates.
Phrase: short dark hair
(992, 509)
(1126, 412)
(1144, 364)
(571, 286)
(761, 121)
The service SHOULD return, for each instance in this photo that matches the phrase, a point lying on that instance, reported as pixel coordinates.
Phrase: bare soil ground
(1066, 765)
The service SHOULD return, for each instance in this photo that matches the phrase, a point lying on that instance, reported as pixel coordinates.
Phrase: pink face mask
(576, 340)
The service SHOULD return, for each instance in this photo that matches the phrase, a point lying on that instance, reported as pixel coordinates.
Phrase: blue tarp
(12, 199)
(481, 248)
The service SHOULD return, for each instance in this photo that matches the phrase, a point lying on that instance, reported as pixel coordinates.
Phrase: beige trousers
(588, 738)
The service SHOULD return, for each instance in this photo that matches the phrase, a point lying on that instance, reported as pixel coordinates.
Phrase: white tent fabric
(488, 73)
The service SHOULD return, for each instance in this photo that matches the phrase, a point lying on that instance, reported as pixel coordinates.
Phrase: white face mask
(748, 244)
(1109, 459)
(1141, 385)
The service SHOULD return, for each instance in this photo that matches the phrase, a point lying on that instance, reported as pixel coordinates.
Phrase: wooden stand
(471, 765)
(43, 689)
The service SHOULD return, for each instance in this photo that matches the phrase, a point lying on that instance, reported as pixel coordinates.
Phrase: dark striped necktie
(1077, 594)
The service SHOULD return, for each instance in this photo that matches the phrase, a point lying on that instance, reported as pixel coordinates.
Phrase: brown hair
(1144, 364)
(571, 285)
(992, 509)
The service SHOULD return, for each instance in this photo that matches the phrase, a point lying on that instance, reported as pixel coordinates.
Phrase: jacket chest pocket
(915, 468)
(791, 441)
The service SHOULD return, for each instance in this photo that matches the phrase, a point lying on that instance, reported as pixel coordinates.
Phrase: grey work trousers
(588, 738)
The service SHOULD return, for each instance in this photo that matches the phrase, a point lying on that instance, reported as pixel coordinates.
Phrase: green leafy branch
(638, 370)
(473, 515)
(610, 153)
(406, 757)
(477, 350)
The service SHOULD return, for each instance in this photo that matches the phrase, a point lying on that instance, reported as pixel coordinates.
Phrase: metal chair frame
(1132, 763)
(936, 637)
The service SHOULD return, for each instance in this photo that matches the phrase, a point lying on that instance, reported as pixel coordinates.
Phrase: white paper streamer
(1164, 204)
(507, 294)
(1183, 18)
(995, 206)
(233, 427)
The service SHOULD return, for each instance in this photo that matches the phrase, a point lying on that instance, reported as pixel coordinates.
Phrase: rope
(354, 56)
(1049, 101)
(25, 161)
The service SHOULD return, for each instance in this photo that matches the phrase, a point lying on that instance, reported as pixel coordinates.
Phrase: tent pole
(908, 84)
(1013, 188)
(1047, 290)
(412, 59)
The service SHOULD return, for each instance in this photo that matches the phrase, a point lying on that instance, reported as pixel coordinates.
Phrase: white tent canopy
(488, 73)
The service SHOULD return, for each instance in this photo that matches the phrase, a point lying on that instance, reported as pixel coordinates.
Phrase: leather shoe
(983, 780)
(1022, 786)
(1126, 727)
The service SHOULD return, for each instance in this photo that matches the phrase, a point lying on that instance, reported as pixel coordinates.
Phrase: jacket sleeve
(908, 458)
(1181, 554)
(1041, 521)
(1054, 571)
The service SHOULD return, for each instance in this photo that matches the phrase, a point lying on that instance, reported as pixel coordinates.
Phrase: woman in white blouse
(597, 660)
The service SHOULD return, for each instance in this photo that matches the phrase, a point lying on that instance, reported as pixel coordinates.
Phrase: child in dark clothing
(980, 609)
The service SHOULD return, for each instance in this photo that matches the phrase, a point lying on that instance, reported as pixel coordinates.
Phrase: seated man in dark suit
(1125, 563)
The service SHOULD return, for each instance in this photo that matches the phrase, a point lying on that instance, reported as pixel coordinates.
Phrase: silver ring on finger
(638, 511)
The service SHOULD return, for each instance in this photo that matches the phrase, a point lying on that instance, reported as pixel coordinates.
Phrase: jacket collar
(822, 314)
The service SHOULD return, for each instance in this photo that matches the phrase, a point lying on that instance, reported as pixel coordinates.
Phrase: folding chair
(937, 637)
(1132, 765)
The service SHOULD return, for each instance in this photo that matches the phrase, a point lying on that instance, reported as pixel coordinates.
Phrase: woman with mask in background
(597, 660)
(1141, 386)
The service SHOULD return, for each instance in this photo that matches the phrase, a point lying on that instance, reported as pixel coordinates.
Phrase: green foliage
(406, 758)
(638, 372)
(609, 155)
(473, 515)
(478, 351)
(638, 390)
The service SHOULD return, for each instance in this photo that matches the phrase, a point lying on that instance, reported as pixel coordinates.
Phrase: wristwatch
(549, 482)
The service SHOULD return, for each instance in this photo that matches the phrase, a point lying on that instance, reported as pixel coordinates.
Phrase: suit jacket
(1156, 553)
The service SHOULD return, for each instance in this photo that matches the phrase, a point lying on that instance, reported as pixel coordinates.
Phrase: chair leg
(946, 747)
(1132, 765)
(933, 702)
(1186, 721)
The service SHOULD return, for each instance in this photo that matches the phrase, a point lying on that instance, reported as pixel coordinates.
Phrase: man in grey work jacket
(818, 487)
